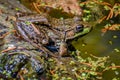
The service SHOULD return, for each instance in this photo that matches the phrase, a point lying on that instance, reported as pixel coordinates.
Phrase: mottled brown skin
(32, 33)
(39, 29)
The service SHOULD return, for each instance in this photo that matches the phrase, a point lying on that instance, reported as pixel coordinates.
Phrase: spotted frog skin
(29, 31)
(45, 32)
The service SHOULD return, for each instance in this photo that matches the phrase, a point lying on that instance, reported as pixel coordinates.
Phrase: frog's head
(74, 33)
(73, 27)
(77, 30)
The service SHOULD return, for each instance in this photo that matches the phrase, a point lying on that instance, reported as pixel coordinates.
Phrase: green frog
(45, 32)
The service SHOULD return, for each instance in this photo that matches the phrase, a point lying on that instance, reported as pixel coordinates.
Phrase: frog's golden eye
(79, 28)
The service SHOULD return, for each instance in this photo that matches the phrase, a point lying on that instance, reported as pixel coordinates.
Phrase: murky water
(100, 44)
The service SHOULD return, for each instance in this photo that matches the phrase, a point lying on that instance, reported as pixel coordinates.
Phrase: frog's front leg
(63, 49)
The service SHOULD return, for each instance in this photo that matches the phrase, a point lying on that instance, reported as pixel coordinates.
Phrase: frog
(45, 32)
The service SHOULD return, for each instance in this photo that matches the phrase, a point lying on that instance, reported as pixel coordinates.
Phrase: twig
(21, 77)
(52, 72)
(88, 64)
(111, 12)
(111, 68)
(8, 49)
(36, 8)
(99, 73)
(4, 35)
(103, 3)
(103, 18)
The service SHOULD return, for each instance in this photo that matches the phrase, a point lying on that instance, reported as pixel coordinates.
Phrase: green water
(100, 44)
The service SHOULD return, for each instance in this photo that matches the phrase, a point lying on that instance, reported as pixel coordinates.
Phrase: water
(102, 45)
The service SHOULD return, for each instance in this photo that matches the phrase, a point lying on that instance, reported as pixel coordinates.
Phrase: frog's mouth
(74, 33)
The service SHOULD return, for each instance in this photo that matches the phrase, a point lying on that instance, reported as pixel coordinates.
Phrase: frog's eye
(79, 28)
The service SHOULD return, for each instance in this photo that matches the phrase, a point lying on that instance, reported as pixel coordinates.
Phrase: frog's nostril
(79, 28)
